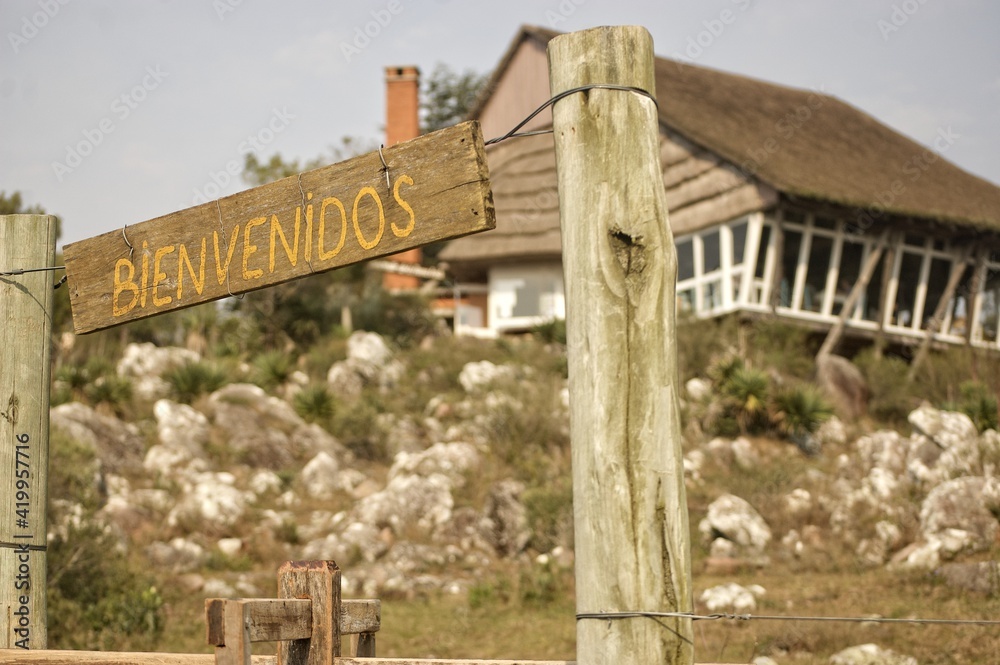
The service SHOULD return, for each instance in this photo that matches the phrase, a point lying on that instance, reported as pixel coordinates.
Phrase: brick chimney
(402, 123)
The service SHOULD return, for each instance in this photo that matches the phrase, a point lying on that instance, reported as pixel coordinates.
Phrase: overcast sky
(161, 95)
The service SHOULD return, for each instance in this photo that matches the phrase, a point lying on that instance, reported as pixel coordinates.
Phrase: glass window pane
(989, 308)
(937, 280)
(824, 222)
(850, 269)
(906, 290)
(789, 264)
(869, 306)
(712, 260)
(685, 259)
(961, 305)
(711, 295)
(794, 217)
(685, 300)
(765, 239)
(816, 269)
(739, 242)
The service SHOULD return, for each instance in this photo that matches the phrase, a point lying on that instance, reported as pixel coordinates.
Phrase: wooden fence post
(26, 242)
(620, 265)
(320, 582)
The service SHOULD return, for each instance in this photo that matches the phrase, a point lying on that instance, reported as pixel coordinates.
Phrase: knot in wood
(629, 250)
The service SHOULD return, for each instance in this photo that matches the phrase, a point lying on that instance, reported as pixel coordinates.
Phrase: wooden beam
(940, 311)
(631, 519)
(867, 270)
(66, 657)
(26, 242)
(267, 619)
(436, 187)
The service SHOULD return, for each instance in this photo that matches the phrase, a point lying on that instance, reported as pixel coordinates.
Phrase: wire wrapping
(612, 616)
(566, 93)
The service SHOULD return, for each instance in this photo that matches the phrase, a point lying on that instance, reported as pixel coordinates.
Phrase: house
(781, 201)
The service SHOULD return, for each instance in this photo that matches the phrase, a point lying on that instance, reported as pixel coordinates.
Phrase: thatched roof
(805, 144)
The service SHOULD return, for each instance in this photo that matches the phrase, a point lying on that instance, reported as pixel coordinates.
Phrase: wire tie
(225, 240)
(385, 167)
(131, 249)
(60, 282)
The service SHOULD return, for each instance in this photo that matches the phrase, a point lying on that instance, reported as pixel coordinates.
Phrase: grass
(518, 609)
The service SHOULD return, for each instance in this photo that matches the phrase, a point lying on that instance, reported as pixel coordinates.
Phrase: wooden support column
(833, 337)
(26, 242)
(620, 265)
(884, 306)
(940, 312)
(774, 294)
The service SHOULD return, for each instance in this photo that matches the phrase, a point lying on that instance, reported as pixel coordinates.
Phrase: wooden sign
(436, 187)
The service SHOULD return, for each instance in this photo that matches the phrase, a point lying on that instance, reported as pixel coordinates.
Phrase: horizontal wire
(566, 93)
(21, 271)
(610, 616)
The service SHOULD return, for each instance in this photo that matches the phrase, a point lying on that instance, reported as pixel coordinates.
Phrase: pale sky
(163, 94)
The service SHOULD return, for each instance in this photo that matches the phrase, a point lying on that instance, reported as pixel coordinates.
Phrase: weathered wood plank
(65, 657)
(26, 242)
(439, 661)
(360, 616)
(620, 266)
(268, 619)
(437, 188)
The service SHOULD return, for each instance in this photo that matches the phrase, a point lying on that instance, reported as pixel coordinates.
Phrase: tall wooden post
(26, 242)
(620, 265)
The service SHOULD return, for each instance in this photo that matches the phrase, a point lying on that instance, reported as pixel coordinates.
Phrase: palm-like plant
(746, 392)
(797, 412)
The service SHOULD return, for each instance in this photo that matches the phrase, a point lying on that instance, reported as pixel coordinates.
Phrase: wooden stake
(26, 242)
(620, 265)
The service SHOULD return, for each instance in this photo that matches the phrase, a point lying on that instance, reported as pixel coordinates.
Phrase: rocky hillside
(473, 474)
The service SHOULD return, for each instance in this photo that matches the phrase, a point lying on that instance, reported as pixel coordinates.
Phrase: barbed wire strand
(612, 616)
(566, 93)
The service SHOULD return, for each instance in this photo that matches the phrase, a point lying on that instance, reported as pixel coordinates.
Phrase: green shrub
(746, 392)
(797, 413)
(551, 332)
(272, 369)
(979, 404)
(892, 396)
(191, 380)
(113, 391)
(357, 428)
(314, 403)
(404, 318)
(96, 598)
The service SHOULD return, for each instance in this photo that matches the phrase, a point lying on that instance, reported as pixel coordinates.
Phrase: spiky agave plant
(746, 390)
(797, 412)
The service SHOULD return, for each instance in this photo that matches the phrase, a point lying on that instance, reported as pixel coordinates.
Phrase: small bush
(191, 380)
(272, 369)
(314, 403)
(551, 332)
(979, 404)
(113, 391)
(797, 412)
